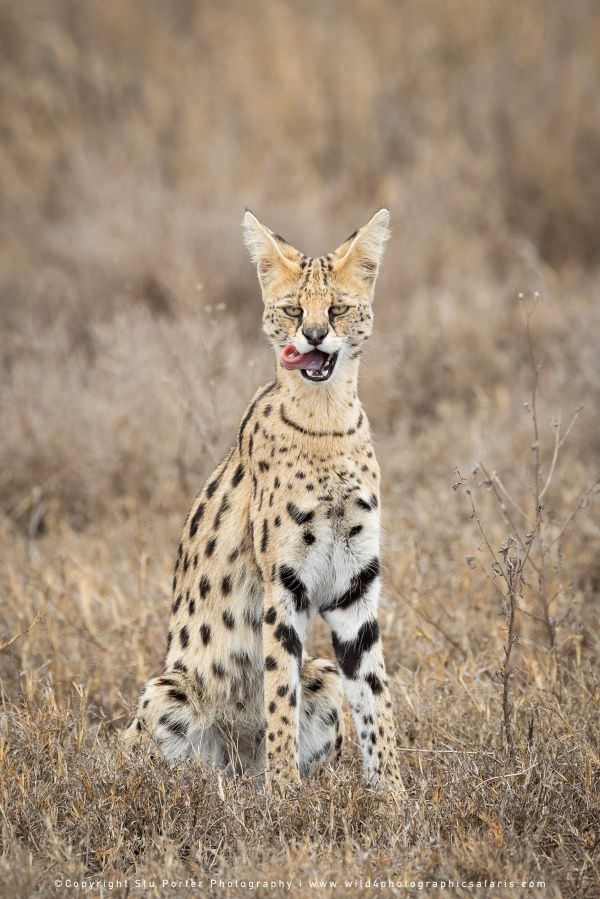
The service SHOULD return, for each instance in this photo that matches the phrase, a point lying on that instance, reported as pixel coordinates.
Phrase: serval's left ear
(272, 254)
(360, 255)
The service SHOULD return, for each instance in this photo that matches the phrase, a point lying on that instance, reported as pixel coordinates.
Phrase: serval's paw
(283, 781)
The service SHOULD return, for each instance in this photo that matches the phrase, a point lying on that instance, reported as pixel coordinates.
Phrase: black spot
(237, 475)
(228, 620)
(267, 410)
(178, 695)
(210, 547)
(308, 537)
(300, 475)
(226, 585)
(355, 530)
(138, 726)
(298, 515)
(289, 639)
(242, 659)
(204, 586)
(218, 670)
(270, 663)
(315, 685)
(251, 621)
(276, 483)
(166, 682)
(264, 542)
(199, 683)
(359, 585)
(176, 604)
(196, 518)
(176, 727)
(212, 487)
(281, 691)
(205, 634)
(263, 466)
(222, 509)
(272, 707)
(349, 654)
(271, 615)
(184, 637)
(292, 582)
(192, 606)
(179, 666)
(277, 521)
(186, 563)
(293, 699)
(374, 683)
(233, 555)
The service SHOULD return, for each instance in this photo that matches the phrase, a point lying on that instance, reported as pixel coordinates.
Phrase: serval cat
(286, 527)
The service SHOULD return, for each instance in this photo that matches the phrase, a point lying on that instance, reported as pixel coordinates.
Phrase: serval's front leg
(357, 644)
(285, 619)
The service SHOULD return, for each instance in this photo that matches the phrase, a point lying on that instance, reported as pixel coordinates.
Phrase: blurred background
(135, 133)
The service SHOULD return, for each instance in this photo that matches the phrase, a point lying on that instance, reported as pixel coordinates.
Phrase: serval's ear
(360, 254)
(272, 254)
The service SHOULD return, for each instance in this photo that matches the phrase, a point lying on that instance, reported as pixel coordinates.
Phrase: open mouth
(314, 366)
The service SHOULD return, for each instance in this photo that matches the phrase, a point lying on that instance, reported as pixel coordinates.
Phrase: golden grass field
(133, 135)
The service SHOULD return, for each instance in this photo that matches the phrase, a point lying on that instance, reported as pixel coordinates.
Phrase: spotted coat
(285, 529)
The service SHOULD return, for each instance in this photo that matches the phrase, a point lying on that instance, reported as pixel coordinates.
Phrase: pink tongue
(291, 358)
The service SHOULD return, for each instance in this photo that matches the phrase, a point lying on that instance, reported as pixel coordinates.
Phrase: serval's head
(318, 312)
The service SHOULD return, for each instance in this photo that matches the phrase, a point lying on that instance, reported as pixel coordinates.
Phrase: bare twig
(18, 636)
(558, 444)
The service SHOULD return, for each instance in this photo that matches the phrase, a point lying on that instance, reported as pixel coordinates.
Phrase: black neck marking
(251, 409)
(309, 433)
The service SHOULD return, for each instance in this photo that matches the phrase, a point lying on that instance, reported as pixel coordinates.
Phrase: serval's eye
(293, 311)
(338, 310)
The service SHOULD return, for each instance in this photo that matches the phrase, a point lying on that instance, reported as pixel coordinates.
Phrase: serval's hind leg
(170, 720)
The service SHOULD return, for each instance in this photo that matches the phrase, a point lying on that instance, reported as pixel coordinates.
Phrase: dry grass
(133, 135)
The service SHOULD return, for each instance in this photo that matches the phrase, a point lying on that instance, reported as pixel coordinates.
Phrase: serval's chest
(316, 509)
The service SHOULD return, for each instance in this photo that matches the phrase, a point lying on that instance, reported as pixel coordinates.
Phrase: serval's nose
(315, 335)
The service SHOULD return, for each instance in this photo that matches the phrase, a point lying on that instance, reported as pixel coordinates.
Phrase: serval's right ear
(272, 255)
